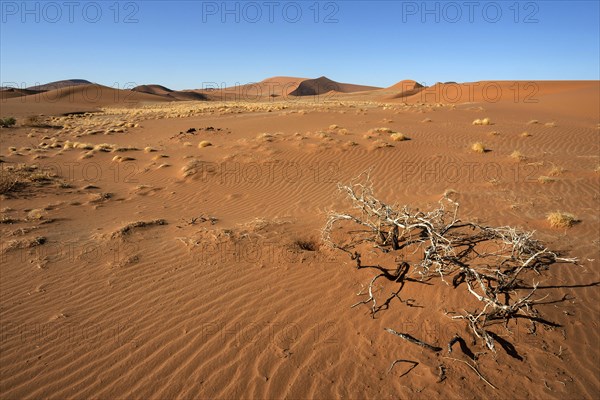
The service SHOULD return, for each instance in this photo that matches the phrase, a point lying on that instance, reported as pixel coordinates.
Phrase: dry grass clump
(517, 155)
(484, 121)
(426, 120)
(525, 134)
(546, 179)
(121, 149)
(105, 147)
(305, 245)
(333, 127)
(398, 137)
(266, 137)
(204, 143)
(127, 229)
(122, 159)
(380, 144)
(36, 214)
(533, 122)
(83, 146)
(24, 243)
(149, 149)
(556, 171)
(479, 147)
(559, 219)
(380, 130)
(17, 176)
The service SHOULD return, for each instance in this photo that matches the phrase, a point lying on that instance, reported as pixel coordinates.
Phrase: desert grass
(398, 137)
(426, 120)
(556, 171)
(122, 159)
(546, 179)
(380, 130)
(533, 122)
(127, 229)
(484, 121)
(36, 214)
(559, 219)
(479, 147)
(18, 176)
(525, 134)
(149, 149)
(204, 143)
(517, 155)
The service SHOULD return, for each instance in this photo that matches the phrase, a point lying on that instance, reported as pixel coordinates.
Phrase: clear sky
(187, 44)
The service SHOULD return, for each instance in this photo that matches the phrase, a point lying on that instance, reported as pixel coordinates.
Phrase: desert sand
(157, 248)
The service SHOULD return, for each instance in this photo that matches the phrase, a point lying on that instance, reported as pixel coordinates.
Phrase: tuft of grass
(105, 147)
(517, 155)
(426, 120)
(380, 130)
(7, 122)
(122, 159)
(127, 229)
(546, 179)
(479, 147)
(305, 245)
(525, 134)
(149, 150)
(398, 137)
(333, 127)
(204, 143)
(484, 121)
(556, 171)
(36, 214)
(83, 146)
(559, 219)
(533, 122)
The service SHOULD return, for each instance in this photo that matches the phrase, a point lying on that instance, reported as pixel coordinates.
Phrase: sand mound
(153, 89)
(312, 87)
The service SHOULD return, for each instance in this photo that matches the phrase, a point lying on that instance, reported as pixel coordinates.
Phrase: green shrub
(7, 122)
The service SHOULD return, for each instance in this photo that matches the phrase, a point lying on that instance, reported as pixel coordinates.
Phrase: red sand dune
(169, 94)
(312, 87)
(74, 99)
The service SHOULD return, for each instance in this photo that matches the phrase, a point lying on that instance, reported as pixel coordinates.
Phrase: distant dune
(312, 87)
(60, 84)
(169, 94)
(8, 93)
(71, 99)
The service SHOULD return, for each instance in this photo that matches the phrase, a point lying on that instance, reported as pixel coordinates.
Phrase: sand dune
(137, 263)
(13, 92)
(322, 85)
(71, 99)
(170, 94)
(60, 84)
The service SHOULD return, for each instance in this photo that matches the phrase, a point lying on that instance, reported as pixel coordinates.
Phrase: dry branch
(491, 264)
(414, 340)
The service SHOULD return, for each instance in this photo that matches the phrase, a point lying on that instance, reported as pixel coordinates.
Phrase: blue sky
(188, 44)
